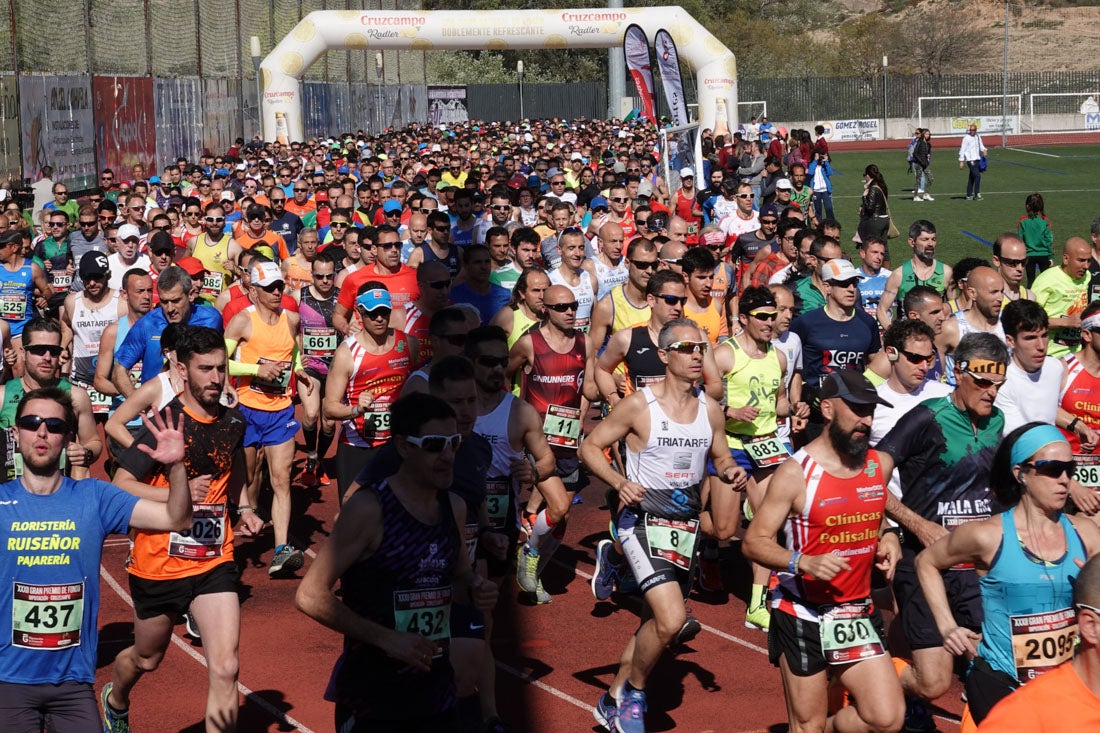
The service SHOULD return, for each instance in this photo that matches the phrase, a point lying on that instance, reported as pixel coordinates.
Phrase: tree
(863, 41)
(943, 41)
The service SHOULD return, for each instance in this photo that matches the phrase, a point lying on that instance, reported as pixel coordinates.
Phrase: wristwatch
(1073, 424)
(89, 457)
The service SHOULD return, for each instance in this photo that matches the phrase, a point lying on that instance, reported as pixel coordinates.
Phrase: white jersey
(674, 461)
(88, 327)
(734, 225)
(502, 490)
(1030, 396)
(965, 327)
(608, 276)
(887, 417)
(791, 346)
(584, 294)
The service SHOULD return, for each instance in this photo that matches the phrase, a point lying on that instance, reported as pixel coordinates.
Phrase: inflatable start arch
(448, 30)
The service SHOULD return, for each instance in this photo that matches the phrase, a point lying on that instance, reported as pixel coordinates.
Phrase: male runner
(1063, 293)
(399, 280)
(475, 289)
(524, 242)
(298, 268)
(318, 341)
(85, 315)
(572, 274)
(217, 250)
(56, 530)
(608, 264)
(697, 266)
(1010, 259)
(171, 573)
(1033, 382)
(20, 280)
(1079, 399)
(830, 497)
(670, 428)
(921, 269)
(263, 341)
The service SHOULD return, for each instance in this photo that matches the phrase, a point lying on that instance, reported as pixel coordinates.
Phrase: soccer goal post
(747, 110)
(951, 116)
(1063, 111)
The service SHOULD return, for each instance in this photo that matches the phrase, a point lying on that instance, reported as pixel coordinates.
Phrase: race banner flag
(668, 62)
(636, 50)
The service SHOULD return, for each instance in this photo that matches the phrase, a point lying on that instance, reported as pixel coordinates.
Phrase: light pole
(254, 45)
(1004, 89)
(519, 73)
(378, 75)
(885, 109)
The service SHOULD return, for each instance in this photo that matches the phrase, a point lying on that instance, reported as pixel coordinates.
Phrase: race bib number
(205, 538)
(693, 228)
(13, 307)
(61, 280)
(765, 451)
(319, 343)
(425, 611)
(377, 423)
(275, 386)
(847, 634)
(951, 522)
(1088, 471)
(1067, 336)
(213, 283)
(497, 499)
(582, 324)
(1042, 641)
(101, 403)
(47, 616)
(562, 426)
(672, 540)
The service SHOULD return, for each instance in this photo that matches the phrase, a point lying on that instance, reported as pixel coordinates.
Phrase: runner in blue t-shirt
(55, 528)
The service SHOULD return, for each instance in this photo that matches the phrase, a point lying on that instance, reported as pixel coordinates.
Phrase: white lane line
(1034, 152)
(526, 677)
(261, 703)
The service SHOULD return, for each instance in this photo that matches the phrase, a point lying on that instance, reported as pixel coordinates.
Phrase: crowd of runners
(488, 321)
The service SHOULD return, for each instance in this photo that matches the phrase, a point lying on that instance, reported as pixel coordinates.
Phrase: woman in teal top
(1027, 558)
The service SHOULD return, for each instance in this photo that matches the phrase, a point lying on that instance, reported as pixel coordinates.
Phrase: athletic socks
(756, 600)
(310, 434)
(324, 443)
(541, 527)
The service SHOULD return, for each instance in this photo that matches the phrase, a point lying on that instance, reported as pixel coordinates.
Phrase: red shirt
(402, 286)
(239, 300)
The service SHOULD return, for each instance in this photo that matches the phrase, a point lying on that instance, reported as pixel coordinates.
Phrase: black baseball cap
(852, 387)
(93, 265)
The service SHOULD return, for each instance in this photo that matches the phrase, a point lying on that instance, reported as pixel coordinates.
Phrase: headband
(982, 366)
(1034, 440)
(1092, 323)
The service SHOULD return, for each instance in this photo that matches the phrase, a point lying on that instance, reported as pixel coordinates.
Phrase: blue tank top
(16, 291)
(450, 261)
(1028, 605)
(120, 336)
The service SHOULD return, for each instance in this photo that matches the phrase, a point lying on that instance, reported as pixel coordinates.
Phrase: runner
(192, 570)
(263, 341)
(921, 269)
(447, 331)
(670, 429)
(48, 661)
(1079, 400)
(572, 274)
(218, 252)
(697, 266)
(527, 308)
(395, 672)
(1028, 558)
(318, 341)
(399, 280)
(830, 499)
(608, 264)
(84, 317)
(434, 282)
(298, 269)
(524, 243)
(1033, 382)
(20, 279)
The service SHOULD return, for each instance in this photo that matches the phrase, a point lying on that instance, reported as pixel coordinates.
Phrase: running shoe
(689, 630)
(606, 711)
(113, 721)
(917, 717)
(918, 197)
(191, 626)
(710, 574)
(978, 197)
(969, 197)
(928, 197)
(287, 559)
(606, 575)
(631, 715)
(309, 476)
(758, 618)
(527, 569)
(323, 479)
(541, 596)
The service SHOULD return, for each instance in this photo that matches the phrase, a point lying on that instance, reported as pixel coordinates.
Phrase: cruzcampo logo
(871, 468)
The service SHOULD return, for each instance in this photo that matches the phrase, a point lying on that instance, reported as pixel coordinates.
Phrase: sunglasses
(1052, 468)
(301, 190)
(744, 195)
(689, 347)
(1011, 262)
(505, 207)
(91, 223)
(854, 282)
(563, 307)
(43, 349)
(928, 359)
(273, 287)
(619, 199)
(672, 299)
(388, 245)
(277, 201)
(320, 276)
(439, 284)
(214, 220)
(983, 383)
(646, 265)
(764, 315)
(492, 361)
(436, 443)
(341, 224)
(56, 224)
(442, 228)
(31, 423)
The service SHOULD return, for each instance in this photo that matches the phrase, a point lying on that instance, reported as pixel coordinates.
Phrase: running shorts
(799, 642)
(263, 427)
(67, 707)
(173, 597)
(917, 620)
(653, 566)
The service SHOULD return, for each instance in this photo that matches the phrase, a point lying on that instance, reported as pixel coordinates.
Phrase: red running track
(553, 660)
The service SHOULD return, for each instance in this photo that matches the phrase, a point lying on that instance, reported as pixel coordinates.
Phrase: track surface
(553, 660)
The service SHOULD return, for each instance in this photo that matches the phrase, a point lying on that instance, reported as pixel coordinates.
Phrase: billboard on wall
(177, 108)
(447, 106)
(124, 132)
(852, 129)
(11, 164)
(56, 128)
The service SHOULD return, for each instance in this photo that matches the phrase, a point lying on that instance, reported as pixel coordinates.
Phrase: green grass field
(1065, 176)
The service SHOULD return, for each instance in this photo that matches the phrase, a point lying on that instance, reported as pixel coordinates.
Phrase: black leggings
(350, 460)
(1034, 266)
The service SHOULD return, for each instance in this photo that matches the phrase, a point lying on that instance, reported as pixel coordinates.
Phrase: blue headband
(1033, 441)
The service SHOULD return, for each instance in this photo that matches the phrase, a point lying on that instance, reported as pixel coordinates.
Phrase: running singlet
(673, 462)
(215, 258)
(502, 489)
(381, 374)
(451, 261)
(711, 320)
(752, 383)
(840, 516)
(582, 291)
(417, 325)
(298, 277)
(16, 290)
(1030, 625)
(268, 344)
(683, 208)
(1081, 399)
(212, 447)
(609, 276)
(944, 462)
(553, 387)
(404, 585)
(643, 365)
(909, 280)
(871, 288)
(624, 314)
(88, 327)
(319, 338)
(49, 601)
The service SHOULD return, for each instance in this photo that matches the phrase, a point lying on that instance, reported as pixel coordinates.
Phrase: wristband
(792, 566)
(240, 509)
(1073, 424)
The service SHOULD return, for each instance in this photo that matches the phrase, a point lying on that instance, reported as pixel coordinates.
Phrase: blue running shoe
(606, 575)
(631, 715)
(606, 711)
(113, 720)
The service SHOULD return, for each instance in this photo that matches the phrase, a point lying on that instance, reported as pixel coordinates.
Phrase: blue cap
(391, 205)
(342, 169)
(154, 179)
(374, 299)
(421, 146)
(534, 181)
(221, 172)
(599, 202)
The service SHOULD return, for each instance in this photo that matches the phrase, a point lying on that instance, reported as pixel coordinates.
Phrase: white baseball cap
(266, 273)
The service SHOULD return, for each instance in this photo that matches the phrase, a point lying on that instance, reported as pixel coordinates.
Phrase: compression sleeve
(236, 367)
